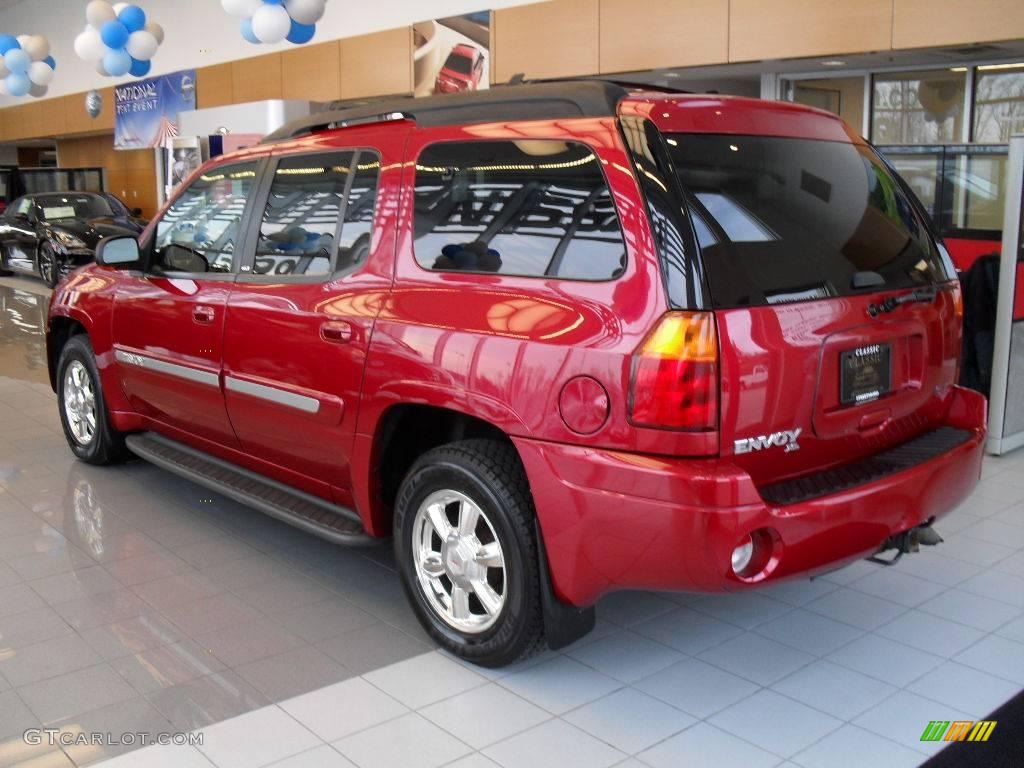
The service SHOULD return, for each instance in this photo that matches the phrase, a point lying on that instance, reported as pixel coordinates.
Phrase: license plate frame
(865, 373)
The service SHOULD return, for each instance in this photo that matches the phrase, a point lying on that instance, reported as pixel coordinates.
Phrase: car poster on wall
(147, 110)
(452, 54)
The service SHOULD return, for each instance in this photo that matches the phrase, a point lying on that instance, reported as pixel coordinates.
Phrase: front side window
(201, 230)
(319, 208)
(784, 219)
(533, 208)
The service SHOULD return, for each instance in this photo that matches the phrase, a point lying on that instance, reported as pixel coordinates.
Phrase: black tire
(106, 445)
(490, 474)
(48, 264)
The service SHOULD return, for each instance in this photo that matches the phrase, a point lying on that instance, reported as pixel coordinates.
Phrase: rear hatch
(837, 322)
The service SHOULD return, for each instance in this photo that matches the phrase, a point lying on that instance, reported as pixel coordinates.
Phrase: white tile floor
(843, 671)
(128, 606)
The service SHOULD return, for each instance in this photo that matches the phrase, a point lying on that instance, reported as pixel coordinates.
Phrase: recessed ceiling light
(833, 63)
(958, 69)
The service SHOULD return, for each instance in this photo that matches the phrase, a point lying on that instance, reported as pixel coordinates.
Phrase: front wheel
(466, 550)
(49, 266)
(83, 412)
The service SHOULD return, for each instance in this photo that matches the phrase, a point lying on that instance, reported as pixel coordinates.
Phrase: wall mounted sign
(147, 110)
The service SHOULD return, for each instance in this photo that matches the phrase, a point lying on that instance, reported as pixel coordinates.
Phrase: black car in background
(51, 233)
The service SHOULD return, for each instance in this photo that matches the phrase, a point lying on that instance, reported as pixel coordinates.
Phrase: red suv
(461, 71)
(556, 339)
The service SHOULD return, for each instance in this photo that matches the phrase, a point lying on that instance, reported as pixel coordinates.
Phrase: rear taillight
(675, 374)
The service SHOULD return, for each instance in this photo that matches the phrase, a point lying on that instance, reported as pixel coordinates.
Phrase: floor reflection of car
(51, 233)
(23, 324)
(461, 70)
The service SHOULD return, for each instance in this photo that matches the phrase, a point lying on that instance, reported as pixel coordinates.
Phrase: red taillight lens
(675, 374)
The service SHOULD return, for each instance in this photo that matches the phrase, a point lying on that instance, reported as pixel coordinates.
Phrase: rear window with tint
(534, 208)
(781, 220)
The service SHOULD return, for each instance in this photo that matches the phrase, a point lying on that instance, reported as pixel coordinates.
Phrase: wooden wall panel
(312, 72)
(256, 79)
(214, 86)
(377, 64)
(920, 23)
(554, 39)
(54, 120)
(685, 33)
(794, 28)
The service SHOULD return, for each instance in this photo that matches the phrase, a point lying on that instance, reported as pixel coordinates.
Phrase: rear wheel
(83, 412)
(49, 266)
(466, 550)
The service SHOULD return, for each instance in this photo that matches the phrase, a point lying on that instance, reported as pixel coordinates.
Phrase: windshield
(458, 63)
(72, 206)
(781, 219)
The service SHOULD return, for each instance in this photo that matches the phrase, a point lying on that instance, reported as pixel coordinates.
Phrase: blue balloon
(133, 17)
(114, 34)
(140, 68)
(247, 32)
(17, 61)
(51, 61)
(7, 43)
(301, 33)
(117, 62)
(274, 2)
(18, 84)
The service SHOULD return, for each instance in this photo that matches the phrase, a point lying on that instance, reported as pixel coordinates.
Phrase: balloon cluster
(271, 21)
(118, 39)
(26, 66)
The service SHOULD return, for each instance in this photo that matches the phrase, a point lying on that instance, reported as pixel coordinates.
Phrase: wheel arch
(62, 329)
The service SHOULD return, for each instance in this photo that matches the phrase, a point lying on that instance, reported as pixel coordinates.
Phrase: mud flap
(564, 624)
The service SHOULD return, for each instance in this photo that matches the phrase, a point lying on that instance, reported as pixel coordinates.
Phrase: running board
(316, 516)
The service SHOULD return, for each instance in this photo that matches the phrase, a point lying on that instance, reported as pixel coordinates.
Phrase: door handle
(203, 315)
(336, 331)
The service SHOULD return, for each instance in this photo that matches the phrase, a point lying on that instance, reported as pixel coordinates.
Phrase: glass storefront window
(998, 103)
(975, 198)
(918, 107)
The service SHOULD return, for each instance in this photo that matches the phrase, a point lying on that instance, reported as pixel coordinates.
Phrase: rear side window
(782, 219)
(533, 208)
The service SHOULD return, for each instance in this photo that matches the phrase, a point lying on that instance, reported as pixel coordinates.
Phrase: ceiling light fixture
(1002, 66)
(833, 63)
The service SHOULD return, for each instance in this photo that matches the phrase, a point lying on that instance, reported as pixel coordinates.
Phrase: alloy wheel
(459, 561)
(79, 402)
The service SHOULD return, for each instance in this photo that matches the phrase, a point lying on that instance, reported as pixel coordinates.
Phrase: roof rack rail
(530, 101)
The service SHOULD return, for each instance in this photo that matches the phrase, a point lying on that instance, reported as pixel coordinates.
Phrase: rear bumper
(614, 520)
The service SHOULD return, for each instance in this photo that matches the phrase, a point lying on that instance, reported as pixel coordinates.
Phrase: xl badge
(785, 439)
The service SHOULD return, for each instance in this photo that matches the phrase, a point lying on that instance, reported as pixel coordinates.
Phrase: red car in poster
(461, 70)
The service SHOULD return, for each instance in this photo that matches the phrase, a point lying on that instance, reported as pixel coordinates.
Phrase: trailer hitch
(907, 541)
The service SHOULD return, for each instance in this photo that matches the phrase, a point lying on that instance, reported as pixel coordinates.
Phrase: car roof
(561, 100)
(465, 49)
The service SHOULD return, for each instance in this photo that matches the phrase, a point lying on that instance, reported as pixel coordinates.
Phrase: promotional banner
(452, 54)
(147, 110)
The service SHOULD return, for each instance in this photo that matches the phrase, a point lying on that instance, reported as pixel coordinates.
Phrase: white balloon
(306, 11)
(118, 7)
(90, 46)
(40, 73)
(22, 39)
(99, 12)
(271, 24)
(241, 7)
(156, 31)
(142, 45)
(102, 69)
(37, 46)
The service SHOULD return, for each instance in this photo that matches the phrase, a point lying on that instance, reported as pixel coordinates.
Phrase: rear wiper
(919, 295)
